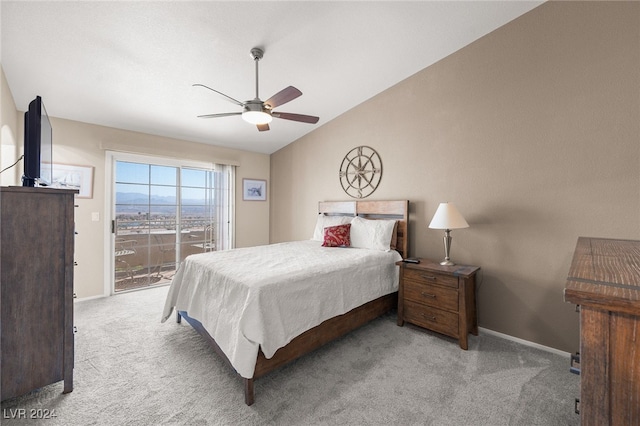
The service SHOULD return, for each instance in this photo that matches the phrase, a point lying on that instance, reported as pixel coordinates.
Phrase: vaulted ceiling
(132, 65)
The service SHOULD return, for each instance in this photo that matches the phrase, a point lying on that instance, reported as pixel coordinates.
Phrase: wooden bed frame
(340, 325)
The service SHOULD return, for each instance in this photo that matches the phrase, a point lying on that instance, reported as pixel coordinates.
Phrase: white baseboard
(524, 342)
(100, 296)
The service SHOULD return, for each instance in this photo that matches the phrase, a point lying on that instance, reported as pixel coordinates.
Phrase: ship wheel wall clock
(360, 172)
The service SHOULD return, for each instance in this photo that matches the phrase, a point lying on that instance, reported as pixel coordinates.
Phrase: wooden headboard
(397, 210)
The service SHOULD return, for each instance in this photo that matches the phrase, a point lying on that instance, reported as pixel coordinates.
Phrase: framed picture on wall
(254, 190)
(69, 176)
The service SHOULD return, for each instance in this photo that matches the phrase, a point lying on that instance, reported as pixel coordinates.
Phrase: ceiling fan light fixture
(257, 117)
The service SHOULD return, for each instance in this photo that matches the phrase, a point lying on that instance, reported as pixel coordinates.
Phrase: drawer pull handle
(429, 277)
(433, 296)
(429, 317)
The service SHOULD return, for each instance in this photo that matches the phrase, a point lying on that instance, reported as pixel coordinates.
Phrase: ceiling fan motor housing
(256, 105)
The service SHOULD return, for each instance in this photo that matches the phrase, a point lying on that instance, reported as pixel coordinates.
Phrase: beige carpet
(132, 370)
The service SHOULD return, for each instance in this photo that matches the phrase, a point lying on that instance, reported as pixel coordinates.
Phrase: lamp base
(447, 247)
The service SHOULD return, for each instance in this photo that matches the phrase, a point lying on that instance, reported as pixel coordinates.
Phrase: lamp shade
(448, 217)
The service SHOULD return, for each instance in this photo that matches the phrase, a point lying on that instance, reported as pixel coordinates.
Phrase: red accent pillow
(337, 236)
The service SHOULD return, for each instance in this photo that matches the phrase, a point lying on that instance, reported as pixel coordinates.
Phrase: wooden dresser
(439, 298)
(604, 279)
(36, 289)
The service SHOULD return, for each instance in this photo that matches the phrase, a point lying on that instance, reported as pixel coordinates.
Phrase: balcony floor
(144, 281)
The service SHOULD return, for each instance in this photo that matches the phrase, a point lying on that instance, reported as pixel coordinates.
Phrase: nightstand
(439, 298)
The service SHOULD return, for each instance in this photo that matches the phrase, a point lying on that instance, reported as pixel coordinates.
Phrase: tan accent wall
(533, 131)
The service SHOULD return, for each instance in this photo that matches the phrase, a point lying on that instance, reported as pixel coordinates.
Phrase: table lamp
(447, 217)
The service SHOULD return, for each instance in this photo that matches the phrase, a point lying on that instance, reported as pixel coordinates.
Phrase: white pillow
(372, 234)
(324, 221)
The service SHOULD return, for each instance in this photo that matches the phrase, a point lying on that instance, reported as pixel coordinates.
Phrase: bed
(294, 303)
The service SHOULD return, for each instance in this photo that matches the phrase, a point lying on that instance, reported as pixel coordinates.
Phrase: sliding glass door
(163, 213)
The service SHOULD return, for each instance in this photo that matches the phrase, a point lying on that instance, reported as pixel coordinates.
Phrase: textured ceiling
(131, 65)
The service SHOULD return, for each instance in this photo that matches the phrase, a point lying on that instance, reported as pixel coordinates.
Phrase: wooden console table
(604, 279)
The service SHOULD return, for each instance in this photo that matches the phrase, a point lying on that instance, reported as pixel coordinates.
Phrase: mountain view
(135, 211)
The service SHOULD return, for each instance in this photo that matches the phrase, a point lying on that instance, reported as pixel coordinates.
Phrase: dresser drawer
(440, 297)
(432, 318)
(430, 277)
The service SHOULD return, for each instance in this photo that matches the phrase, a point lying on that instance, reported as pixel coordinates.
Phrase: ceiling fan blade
(223, 114)
(282, 97)
(235, 101)
(262, 127)
(296, 117)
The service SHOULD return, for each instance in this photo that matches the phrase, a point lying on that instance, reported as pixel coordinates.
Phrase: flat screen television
(37, 145)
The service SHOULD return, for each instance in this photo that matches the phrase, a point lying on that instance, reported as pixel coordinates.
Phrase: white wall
(8, 135)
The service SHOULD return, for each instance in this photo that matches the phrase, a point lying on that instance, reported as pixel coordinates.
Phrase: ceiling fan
(260, 112)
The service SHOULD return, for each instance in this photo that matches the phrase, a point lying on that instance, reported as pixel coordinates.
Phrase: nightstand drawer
(430, 277)
(440, 297)
(434, 319)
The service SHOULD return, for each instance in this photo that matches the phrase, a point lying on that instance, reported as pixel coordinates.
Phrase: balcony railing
(146, 252)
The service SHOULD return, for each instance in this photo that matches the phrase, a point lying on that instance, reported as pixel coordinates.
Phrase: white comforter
(265, 296)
